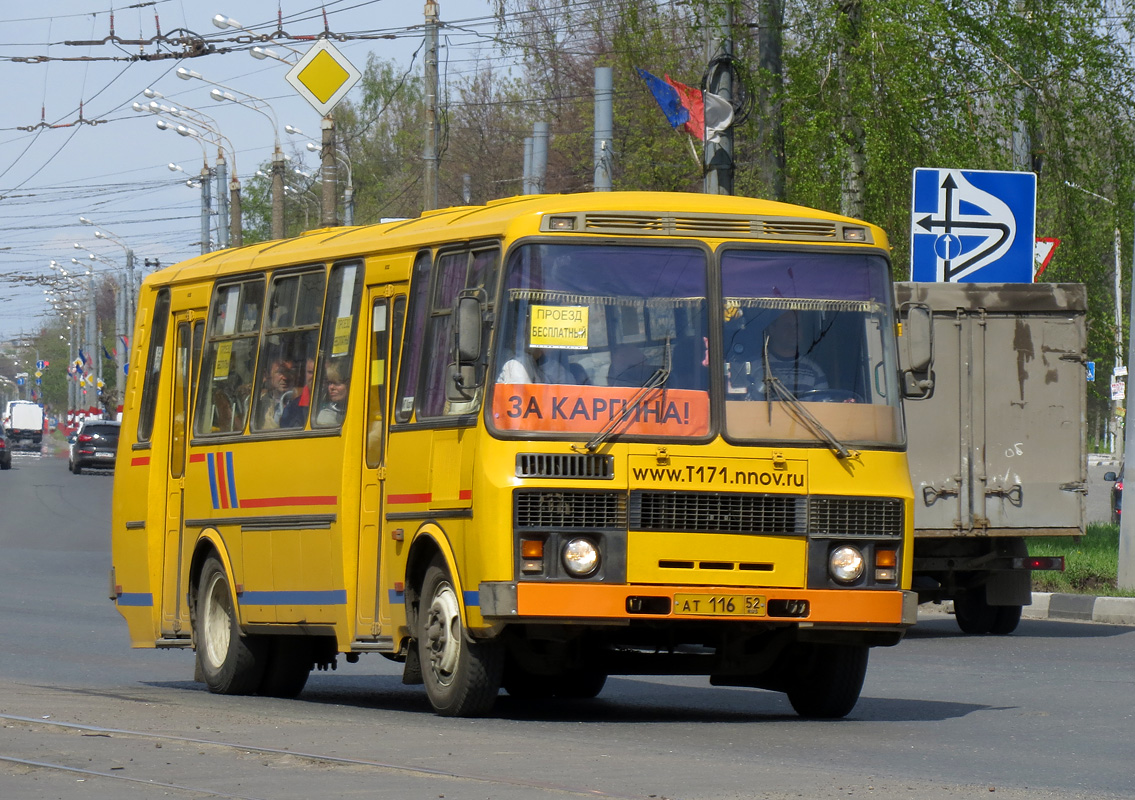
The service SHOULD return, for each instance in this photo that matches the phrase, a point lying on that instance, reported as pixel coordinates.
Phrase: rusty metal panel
(999, 449)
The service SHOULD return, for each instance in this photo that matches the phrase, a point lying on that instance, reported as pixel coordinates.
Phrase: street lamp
(262, 107)
(129, 308)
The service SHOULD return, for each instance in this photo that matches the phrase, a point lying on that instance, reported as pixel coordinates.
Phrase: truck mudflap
(579, 602)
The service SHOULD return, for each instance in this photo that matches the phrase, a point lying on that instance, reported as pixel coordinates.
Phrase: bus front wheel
(228, 662)
(827, 679)
(462, 676)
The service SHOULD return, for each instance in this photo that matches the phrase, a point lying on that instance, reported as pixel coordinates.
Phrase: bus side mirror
(468, 318)
(917, 352)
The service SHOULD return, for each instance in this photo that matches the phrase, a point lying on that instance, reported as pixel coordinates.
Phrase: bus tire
(826, 679)
(973, 613)
(1005, 620)
(581, 684)
(287, 667)
(229, 663)
(462, 676)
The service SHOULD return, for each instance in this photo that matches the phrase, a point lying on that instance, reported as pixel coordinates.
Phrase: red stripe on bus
(196, 457)
(404, 499)
(274, 502)
(222, 488)
(465, 494)
(140, 461)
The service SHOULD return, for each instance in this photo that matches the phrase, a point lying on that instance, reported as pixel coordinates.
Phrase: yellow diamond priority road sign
(323, 76)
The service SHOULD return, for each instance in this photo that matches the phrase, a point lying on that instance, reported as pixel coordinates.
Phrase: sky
(71, 145)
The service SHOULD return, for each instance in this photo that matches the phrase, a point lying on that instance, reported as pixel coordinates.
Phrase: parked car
(1116, 493)
(5, 450)
(95, 444)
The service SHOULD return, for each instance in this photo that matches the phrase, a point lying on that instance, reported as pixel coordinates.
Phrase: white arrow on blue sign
(970, 226)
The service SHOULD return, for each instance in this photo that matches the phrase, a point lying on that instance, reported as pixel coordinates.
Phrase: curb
(1074, 607)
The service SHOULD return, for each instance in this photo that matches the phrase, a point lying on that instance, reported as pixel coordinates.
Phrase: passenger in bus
(295, 412)
(276, 392)
(536, 365)
(333, 409)
(799, 373)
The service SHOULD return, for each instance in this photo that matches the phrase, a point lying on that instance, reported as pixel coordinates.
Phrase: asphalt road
(1045, 713)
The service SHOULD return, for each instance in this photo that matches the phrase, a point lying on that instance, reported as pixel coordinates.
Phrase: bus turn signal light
(885, 558)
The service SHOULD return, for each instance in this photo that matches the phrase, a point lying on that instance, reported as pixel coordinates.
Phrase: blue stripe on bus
(135, 599)
(471, 598)
(232, 479)
(329, 597)
(213, 481)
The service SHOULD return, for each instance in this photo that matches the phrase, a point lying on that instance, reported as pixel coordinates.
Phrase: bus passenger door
(386, 315)
(187, 343)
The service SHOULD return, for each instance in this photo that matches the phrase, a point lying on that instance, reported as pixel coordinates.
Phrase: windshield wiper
(655, 381)
(798, 409)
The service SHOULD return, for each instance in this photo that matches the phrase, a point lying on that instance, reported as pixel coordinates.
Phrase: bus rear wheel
(288, 666)
(462, 676)
(826, 679)
(228, 662)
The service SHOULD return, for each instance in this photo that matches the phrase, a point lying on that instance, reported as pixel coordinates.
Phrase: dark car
(5, 450)
(1116, 493)
(95, 444)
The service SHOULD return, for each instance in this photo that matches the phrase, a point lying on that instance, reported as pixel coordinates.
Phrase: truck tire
(462, 675)
(1006, 620)
(973, 613)
(228, 662)
(826, 679)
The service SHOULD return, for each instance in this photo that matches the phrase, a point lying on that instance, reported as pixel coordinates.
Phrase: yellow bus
(525, 445)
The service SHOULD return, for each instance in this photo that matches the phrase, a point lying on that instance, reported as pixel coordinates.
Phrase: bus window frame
(327, 341)
(205, 377)
(151, 380)
(274, 279)
(713, 319)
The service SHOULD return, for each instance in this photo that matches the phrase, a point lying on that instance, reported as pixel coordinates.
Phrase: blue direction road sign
(971, 226)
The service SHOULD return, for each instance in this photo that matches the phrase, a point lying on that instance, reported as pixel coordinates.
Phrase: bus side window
(412, 348)
(225, 387)
(153, 366)
(382, 329)
(333, 373)
(288, 351)
(466, 269)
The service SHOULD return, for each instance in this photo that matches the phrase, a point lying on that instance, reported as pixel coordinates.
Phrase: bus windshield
(598, 337)
(809, 328)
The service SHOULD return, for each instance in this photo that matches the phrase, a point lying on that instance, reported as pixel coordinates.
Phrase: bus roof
(677, 214)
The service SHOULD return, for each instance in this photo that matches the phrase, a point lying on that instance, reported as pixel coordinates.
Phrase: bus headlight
(846, 564)
(581, 557)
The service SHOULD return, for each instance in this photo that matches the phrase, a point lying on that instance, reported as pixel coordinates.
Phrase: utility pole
(430, 156)
(719, 155)
(222, 176)
(278, 194)
(1126, 577)
(329, 218)
(539, 156)
(770, 36)
(604, 128)
(206, 208)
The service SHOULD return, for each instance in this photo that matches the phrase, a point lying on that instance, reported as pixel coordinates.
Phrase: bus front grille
(713, 512)
(582, 466)
(540, 508)
(855, 516)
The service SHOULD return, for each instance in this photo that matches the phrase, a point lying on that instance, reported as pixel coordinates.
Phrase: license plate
(104, 455)
(720, 605)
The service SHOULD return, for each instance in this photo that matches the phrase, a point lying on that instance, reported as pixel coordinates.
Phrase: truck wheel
(826, 679)
(1006, 619)
(462, 676)
(228, 662)
(972, 613)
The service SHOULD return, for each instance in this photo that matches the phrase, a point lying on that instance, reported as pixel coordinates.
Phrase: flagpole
(694, 150)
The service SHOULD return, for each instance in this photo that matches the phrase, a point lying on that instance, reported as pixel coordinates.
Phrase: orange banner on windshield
(587, 409)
